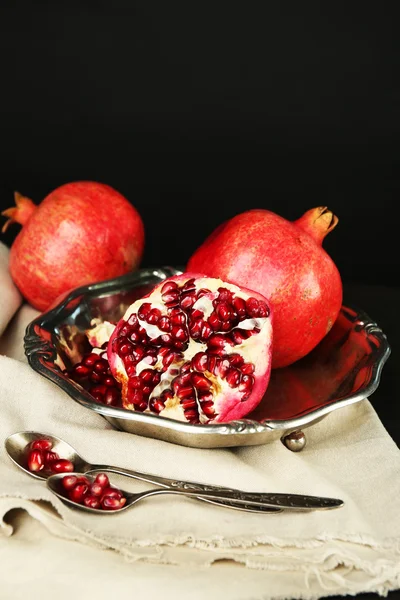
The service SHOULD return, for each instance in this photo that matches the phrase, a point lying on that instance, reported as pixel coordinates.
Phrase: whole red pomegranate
(285, 262)
(81, 233)
(196, 349)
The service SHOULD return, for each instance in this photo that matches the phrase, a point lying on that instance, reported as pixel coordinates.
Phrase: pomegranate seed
(263, 310)
(208, 408)
(199, 362)
(189, 285)
(222, 368)
(233, 378)
(165, 324)
(98, 389)
(240, 306)
(90, 359)
(214, 321)
(135, 383)
(177, 317)
(246, 383)
(225, 295)
(203, 292)
(41, 445)
(226, 326)
(201, 382)
(96, 489)
(223, 311)
(195, 329)
(135, 337)
(206, 331)
(212, 363)
(154, 316)
(81, 371)
(125, 331)
(166, 339)
(180, 346)
(133, 321)
(92, 502)
(111, 397)
(144, 310)
(196, 314)
(156, 405)
(217, 341)
(216, 352)
(169, 287)
(184, 391)
(185, 377)
(35, 460)
(156, 378)
(78, 493)
(109, 503)
(138, 352)
(188, 403)
(49, 456)
(62, 466)
(111, 492)
(252, 305)
(146, 375)
(247, 368)
(102, 479)
(95, 377)
(236, 360)
(101, 366)
(187, 300)
(84, 480)
(191, 415)
(69, 482)
(125, 348)
(239, 336)
(179, 333)
(168, 359)
(171, 298)
(146, 390)
(122, 501)
(205, 397)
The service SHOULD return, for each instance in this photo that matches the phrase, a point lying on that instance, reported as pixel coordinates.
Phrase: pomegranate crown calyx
(20, 213)
(318, 222)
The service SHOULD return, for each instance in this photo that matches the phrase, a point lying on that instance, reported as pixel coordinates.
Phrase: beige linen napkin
(349, 455)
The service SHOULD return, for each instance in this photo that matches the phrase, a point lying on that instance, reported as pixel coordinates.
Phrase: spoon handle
(288, 501)
(232, 498)
(171, 483)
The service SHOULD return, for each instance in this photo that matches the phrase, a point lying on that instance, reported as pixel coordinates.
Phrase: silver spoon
(17, 443)
(54, 483)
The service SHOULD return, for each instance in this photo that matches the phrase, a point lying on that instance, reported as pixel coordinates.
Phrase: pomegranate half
(196, 349)
(286, 263)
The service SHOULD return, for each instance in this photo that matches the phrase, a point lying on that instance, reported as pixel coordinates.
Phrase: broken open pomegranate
(195, 349)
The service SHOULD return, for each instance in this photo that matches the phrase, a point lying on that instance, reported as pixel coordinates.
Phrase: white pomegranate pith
(196, 349)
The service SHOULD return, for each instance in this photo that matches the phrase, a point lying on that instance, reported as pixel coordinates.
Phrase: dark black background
(197, 111)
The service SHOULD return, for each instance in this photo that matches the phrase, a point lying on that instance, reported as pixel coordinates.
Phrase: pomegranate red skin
(285, 262)
(82, 232)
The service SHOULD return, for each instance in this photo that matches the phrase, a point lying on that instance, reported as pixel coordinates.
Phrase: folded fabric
(349, 456)
(10, 298)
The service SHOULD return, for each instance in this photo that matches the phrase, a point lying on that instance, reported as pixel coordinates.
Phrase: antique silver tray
(344, 368)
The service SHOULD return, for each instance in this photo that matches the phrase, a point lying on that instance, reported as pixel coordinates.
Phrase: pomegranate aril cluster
(158, 336)
(98, 494)
(94, 372)
(40, 457)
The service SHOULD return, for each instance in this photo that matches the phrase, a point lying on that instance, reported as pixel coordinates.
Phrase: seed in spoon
(93, 495)
(41, 457)
(42, 445)
(35, 461)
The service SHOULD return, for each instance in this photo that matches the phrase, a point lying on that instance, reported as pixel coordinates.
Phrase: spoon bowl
(17, 447)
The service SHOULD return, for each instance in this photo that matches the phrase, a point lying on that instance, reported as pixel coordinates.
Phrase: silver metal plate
(343, 369)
